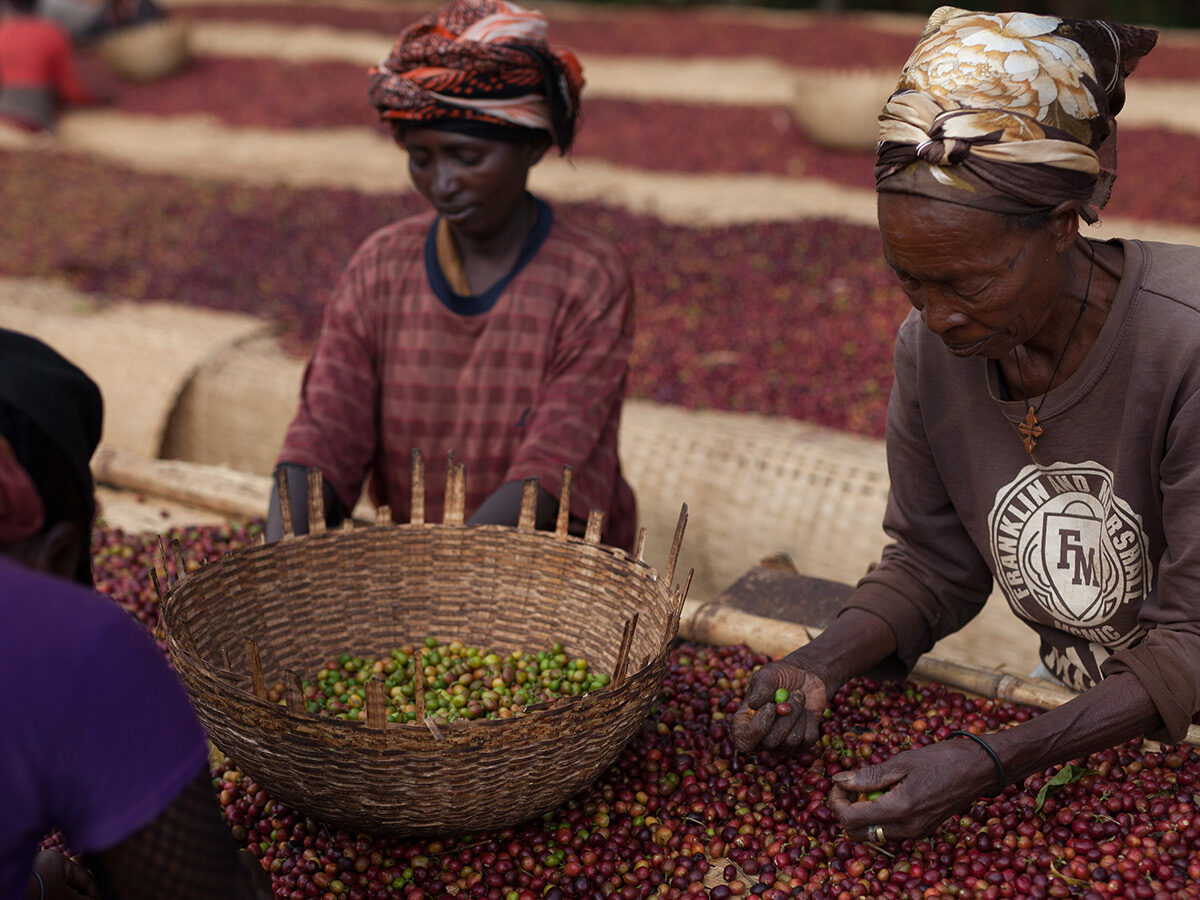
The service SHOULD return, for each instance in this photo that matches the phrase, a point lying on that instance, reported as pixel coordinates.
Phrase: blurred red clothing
(37, 71)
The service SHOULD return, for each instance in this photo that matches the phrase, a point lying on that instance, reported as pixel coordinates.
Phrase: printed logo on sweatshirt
(1071, 555)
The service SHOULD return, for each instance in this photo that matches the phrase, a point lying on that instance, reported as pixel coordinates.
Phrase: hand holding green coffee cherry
(781, 709)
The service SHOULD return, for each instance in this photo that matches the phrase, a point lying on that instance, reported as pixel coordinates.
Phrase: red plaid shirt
(532, 384)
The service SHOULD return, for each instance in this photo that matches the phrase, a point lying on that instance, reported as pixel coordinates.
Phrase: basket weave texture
(146, 51)
(756, 487)
(839, 108)
(368, 590)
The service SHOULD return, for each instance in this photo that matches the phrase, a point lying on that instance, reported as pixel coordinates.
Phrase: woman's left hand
(920, 789)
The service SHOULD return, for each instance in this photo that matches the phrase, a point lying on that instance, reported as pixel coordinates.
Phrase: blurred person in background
(86, 20)
(489, 326)
(1043, 429)
(100, 739)
(37, 69)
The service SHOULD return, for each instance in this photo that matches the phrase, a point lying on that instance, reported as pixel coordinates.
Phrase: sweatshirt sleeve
(1167, 660)
(931, 579)
(335, 427)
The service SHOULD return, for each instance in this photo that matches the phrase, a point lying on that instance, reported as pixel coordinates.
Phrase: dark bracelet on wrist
(1000, 773)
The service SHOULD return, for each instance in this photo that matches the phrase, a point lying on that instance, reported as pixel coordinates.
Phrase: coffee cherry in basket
(460, 682)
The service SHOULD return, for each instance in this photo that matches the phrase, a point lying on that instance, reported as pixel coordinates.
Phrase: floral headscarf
(1010, 112)
(483, 67)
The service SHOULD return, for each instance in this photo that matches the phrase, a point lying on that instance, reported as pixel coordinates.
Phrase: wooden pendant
(1030, 430)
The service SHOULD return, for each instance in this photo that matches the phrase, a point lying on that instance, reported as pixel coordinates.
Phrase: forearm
(854, 642)
(503, 507)
(335, 510)
(1116, 710)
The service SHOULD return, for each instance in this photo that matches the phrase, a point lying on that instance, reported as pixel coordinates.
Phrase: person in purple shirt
(99, 740)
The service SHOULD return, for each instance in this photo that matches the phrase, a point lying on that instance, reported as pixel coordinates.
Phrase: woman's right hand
(764, 722)
(61, 879)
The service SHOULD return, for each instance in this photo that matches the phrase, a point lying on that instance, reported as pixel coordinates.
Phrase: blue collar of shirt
(475, 304)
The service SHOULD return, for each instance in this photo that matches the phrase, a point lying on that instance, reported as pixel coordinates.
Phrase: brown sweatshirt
(1095, 537)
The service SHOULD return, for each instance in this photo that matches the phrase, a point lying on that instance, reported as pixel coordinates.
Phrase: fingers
(869, 779)
(744, 737)
(812, 725)
(80, 879)
(63, 877)
(788, 725)
(762, 687)
(755, 716)
(865, 820)
(788, 730)
(750, 727)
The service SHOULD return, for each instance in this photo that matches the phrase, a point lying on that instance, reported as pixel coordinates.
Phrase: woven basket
(839, 108)
(756, 486)
(146, 52)
(274, 612)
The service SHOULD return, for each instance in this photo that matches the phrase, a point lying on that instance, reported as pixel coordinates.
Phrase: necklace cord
(1063, 355)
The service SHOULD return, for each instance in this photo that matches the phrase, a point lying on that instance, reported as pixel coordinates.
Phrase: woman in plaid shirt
(487, 327)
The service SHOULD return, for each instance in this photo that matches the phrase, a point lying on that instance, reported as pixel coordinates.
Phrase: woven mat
(215, 389)
(755, 487)
(236, 410)
(141, 355)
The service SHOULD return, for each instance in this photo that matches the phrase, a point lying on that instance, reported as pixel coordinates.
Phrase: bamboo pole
(214, 488)
(233, 493)
(714, 623)
(217, 489)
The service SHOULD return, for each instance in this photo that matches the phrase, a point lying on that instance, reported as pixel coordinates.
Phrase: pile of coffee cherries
(458, 682)
(122, 562)
(681, 814)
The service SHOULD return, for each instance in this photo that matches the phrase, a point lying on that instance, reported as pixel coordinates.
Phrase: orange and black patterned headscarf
(483, 67)
(1010, 112)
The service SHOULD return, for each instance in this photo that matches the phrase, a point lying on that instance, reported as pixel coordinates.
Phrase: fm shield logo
(1072, 558)
(1070, 554)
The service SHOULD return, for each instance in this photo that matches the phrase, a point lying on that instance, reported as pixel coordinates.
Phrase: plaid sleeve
(577, 410)
(335, 427)
(187, 853)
